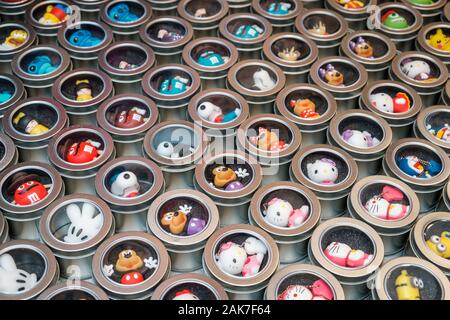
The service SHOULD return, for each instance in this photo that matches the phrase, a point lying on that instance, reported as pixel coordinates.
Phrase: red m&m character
(27, 189)
(83, 152)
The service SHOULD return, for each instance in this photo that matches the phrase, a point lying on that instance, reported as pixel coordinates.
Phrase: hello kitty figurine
(280, 213)
(262, 80)
(343, 255)
(360, 139)
(231, 258)
(323, 171)
(13, 280)
(416, 69)
(252, 265)
(83, 225)
(319, 290)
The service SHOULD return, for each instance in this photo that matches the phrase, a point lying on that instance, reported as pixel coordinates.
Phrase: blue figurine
(211, 59)
(175, 85)
(41, 65)
(121, 13)
(84, 38)
(248, 32)
(415, 167)
(5, 96)
(281, 8)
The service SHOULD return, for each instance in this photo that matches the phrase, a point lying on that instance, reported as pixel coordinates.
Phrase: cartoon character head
(128, 260)
(439, 40)
(83, 225)
(331, 75)
(408, 287)
(209, 111)
(322, 171)
(130, 119)
(393, 20)
(16, 38)
(416, 69)
(84, 90)
(343, 255)
(12, 279)
(174, 221)
(384, 102)
(263, 80)
(386, 205)
(83, 152)
(362, 48)
(185, 295)
(291, 54)
(55, 14)
(268, 140)
(27, 189)
(223, 176)
(121, 13)
(304, 108)
(440, 244)
(359, 139)
(84, 38)
(41, 65)
(280, 213)
(231, 258)
(125, 184)
(27, 124)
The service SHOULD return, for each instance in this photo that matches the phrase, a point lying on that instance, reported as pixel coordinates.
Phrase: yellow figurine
(440, 245)
(54, 14)
(408, 287)
(439, 40)
(16, 38)
(27, 124)
(83, 90)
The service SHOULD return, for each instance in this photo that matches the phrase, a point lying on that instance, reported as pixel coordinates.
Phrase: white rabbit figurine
(84, 225)
(13, 280)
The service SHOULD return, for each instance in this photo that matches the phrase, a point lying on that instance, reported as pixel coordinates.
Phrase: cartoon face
(83, 152)
(393, 20)
(359, 139)
(55, 14)
(278, 212)
(268, 140)
(174, 221)
(415, 167)
(29, 193)
(323, 171)
(386, 205)
(27, 124)
(128, 260)
(84, 38)
(41, 65)
(343, 255)
(331, 75)
(231, 258)
(416, 69)
(296, 292)
(121, 13)
(440, 244)
(362, 48)
(125, 184)
(223, 176)
(304, 108)
(439, 40)
(407, 286)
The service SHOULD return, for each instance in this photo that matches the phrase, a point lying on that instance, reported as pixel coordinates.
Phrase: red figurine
(128, 119)
(27, 189)
(132, 278)
(83, 152)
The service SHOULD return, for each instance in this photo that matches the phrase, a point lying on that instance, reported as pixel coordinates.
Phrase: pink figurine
(319, 290)
(383, 207)
(280, 213)
(298, 216)
(342, 255)
(252, 265)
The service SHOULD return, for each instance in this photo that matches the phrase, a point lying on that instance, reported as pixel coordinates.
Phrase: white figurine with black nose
(168, 150)
(125, 184)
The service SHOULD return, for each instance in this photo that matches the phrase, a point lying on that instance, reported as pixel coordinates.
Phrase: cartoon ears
(322, 72)
(352, 45)
(347, 134)
(7, 263)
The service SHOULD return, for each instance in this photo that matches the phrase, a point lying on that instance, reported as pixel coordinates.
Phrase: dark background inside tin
(28, 58)
(282, 131)
(135, 7)
(435, 72)
(142, 249)
(341, 165)
(245, 76)
(198, 211)
(201, 291)
(351, 74)
(226, 103)
(44, 178)
(125, 105)
(436, 228)
(77, 136)
(6, 31)
(8, 86)
(69, 88)
(39, 11)
(421, 153)
(431, 290)
(235, 24)
(288, 43)
(318, 99)
(232, 163)
(73, 294)
(302, 279)
(380, 47)
(402, 12)
(96, 31)
(353, 237)
(438, 119)
(266, 3)
(239, 239)
(170, 26)
(296, 199)
(361, 124)
(201, 48)
(43, 113)
(29, 261)
(392, 91)
(376, 189)
(130, 54)
(212, 7)
(176, 135)
(168, 74)
(143, 174)
(331, 23)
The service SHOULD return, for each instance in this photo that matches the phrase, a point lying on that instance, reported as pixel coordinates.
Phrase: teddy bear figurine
(55, 14)
(185, 295)
(439, 40)
(249, 31)
(12, 279)
(212, 59)
(319, 29)
(280, 213)
(41, 65)
(393, 20)
(129, 119)
(417, 70)
(27, 189)
(27, 124)
(83, 225)
(262, 80)
(415, 167)
(441, 132)
(359, 139)
(121, 13)
(291, 54)
(268, 140)
(343, 255)
(319, 290)
(304, 108)
(15, 39)
(279, 8)
(331, 75)
(351, 4)
(228, 179)
(384, 102)
(362, 48)
(322, 171)
(211, 112)
(125, 184)
(440, 244)
(386, 206)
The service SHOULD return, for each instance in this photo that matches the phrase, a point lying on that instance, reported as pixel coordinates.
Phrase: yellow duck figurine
(439, 40)
(16, 38)
(407, 286)
(440, 245)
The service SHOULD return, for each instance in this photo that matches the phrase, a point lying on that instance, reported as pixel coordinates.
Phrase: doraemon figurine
(384, 102)
(359, 139)
(125, 184)
(280, 8)
(121, 13)
(83, 38)
(415, 167)
(211, 112)
(5, 96)
(55, 14)
(323, 171)
(441, 132)
(211, 59)
(41, 65)
(248, 31)
(416, 69)
(281, 213)
(174, 85)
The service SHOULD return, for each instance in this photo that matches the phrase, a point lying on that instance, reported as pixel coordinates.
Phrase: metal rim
(423, 43)
(80, 285)
(19, 90)
(10, 151)
(421, 124)
(300, 26)
(202, 21)
(224, 32)
(395, 33)
(126, 27)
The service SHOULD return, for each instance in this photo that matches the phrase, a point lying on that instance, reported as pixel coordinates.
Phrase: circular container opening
(360, 132)
(129, 180)
(34, 119)
(126, 57)
(128, 114)
(80, 147)
(290, 49)
(269, 135)
(126, 12)
(31, 268)
(339, 74)
(171, 81)
(410, 282)
(437, 237)
(420, 70)
(246, 28)
(213, 106)
(82, 87)
(210, 54)
(7, 90)
(166, 31)
(278, 7)
(325, 168)
(51, 14)
(304, 286)
(74, 295)
(174, 142)
(12, 37)
(351, 5)
(229, 174)
(322, 24)
(27, 187)
(422, 3)
(76, 222)
(240, 255)
(189, 291)
(368, 47)
(40, 62)
(347, 247)
(390, 99)
(255, 77)
(439, 38)
(397, 18)
(385, 202)
(86, 36)
(130, 262)
(418, 162)
(203, 9)
(306, 104)
(437, 124)
(2, 150)
(183, 216)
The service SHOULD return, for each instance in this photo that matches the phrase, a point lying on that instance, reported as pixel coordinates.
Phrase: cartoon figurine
(27, 189)
(195, 225)
(185, 295)
(176, 221)
(359, 139)
(226, 178)
(125, 184)
(256, 250)
(407, 286)
(168, 150)
(200, 13)
(319, 290)
(439, 40)
(393, 20)
(319, 29)
(417, 70)
(280, 8)
(280, 213)
(212, 59)
(291, 54)
(422, 2)
(83, 152)
(211, 112)
(268, 140)
(121, 13)
(27, 124)
(332, 76)
(84, 90)
(323, 171)
(41, 65)
(166, 36)
(175, 85)
(12, 279)
(15, 39)
(351, 4)
(383, 206)
(440, 245)
(262, 80)
(129, 119)
(124, 65)
(440, 132)
(418, 168)
(304, 108)
(248, 31)
(362, 48)
(55, 14)
(342, 255)
(384, 102)
(84, 38)
(5, 96)
(83, 225)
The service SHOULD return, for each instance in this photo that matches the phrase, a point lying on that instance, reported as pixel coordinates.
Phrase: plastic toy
(174, 221)
(351, 4)
(12, 279)
(175, 85)
(121, 13)
(393, 20)
(383, 206)
(319, 290)
(124, 65)
(83, 225)
(27, 189)
(132, 278)
(407, 286)
(169, 36)
(249, 31)
(440, 132)
(83, 152)
(322, 171)
(440, 244)
(125, 184)
(41, 65)
(439, 40)
(5, 96)
(362, 48)
(281, 213)
(200, 13)
(291, 54)
(304, 108)
(422, 2)
(417, 69)
(384, 102)
(211, 112)
(195, 225)
(129, 119)
(226, 178)
(212, 59)
(15, 39)
(27, 124)
(280, 8)
(84, 38)
(55, 14)
(342, 255)
(185, 295)
(330, 75)
(360, 139)
(168, 150)
(418, 168)
(268, 140)
(319, 29)
(262, 80)
(84, 90)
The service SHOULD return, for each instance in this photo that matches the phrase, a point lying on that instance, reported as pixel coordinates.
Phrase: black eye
(332, 169)
(126, 176)
(234, 260)
(411, 66)
(33, 68)
(278, 213)
(202, 107)
(316, 172)
(116, 16)
(75, 39)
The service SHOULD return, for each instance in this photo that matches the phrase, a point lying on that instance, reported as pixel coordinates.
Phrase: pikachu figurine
(439, 40)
